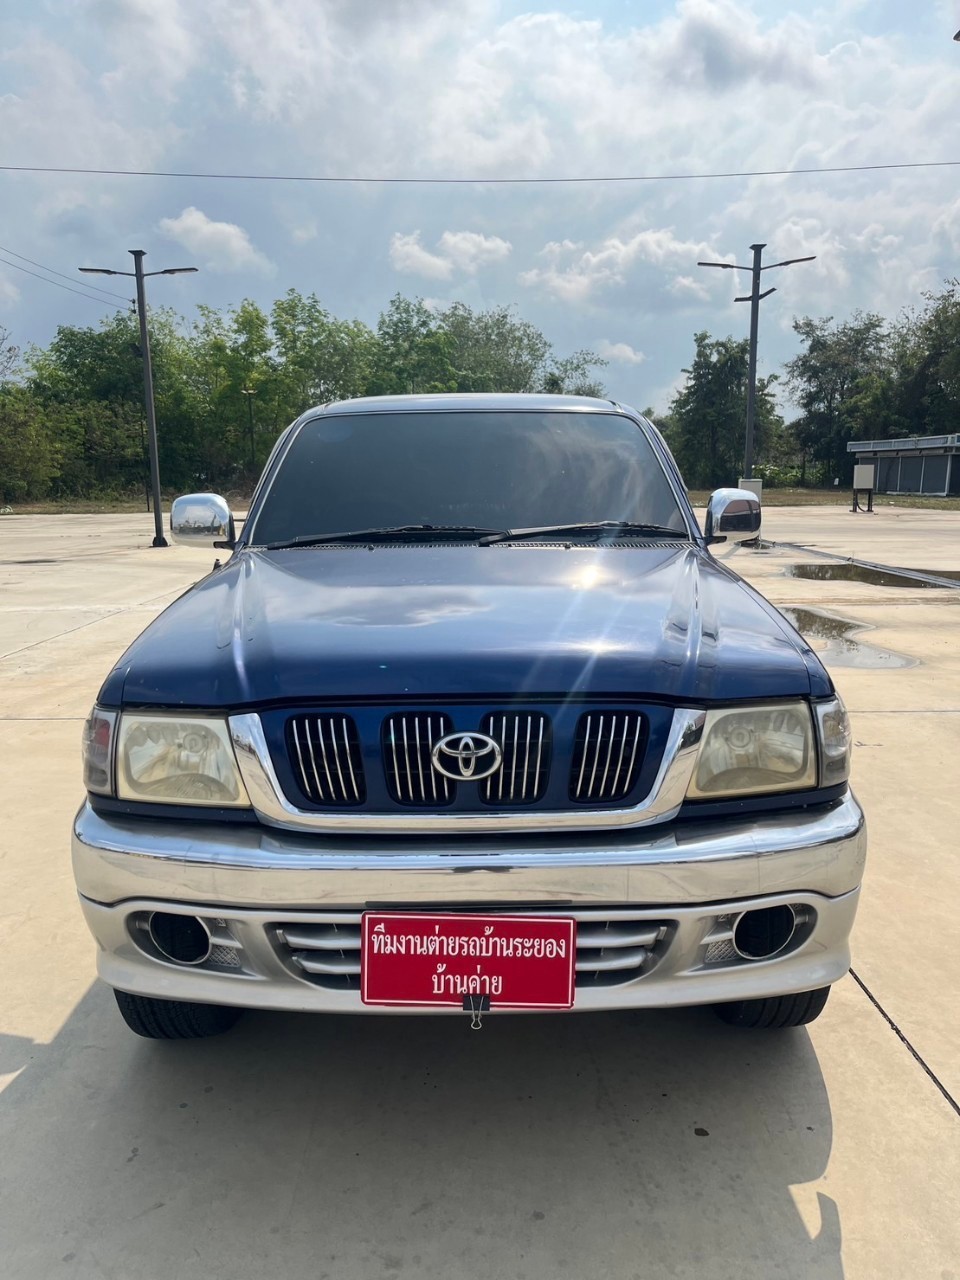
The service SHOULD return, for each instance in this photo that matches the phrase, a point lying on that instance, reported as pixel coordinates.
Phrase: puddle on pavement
(872, 577)
(953, 574)
(759, 548)
(841, 650)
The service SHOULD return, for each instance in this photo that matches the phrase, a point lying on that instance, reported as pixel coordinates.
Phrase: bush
(777, 477)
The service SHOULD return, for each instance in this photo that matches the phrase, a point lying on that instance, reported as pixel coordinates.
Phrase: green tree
(89, 383)
(9, 354)
(228, 369)
(924, 380)
(228, 383)
(317, 357)
(706, 422)
(573, 375)
(29, 461)
(840, 382)
(493, 350)
(414, 352)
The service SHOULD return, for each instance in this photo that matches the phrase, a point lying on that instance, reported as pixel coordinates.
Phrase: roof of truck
(447, 403)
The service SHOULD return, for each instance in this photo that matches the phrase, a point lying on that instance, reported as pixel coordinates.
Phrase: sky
(486, 89)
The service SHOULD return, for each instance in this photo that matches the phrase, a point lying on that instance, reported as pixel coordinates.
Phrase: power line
(94, 287)
(57, 285)
(489, 182)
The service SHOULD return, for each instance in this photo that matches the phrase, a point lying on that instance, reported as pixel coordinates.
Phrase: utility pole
(250, 392)
(754, 297)
(139, 275)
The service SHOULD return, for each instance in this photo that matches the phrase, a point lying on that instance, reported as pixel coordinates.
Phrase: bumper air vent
(614, 946)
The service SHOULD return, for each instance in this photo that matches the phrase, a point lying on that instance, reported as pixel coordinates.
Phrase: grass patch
(241, 502)
(838, 498)
(106, 506)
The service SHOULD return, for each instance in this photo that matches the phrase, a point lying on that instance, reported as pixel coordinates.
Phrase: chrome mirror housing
(732, 511)
(202, 520)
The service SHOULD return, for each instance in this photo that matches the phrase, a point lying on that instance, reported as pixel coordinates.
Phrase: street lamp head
(101, 271)
(788, 262)
(175, 271)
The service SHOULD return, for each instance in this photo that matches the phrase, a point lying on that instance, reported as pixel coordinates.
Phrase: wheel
(774, 1011)
(174, 1019)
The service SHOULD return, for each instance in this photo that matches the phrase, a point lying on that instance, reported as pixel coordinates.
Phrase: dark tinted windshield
(494, 469)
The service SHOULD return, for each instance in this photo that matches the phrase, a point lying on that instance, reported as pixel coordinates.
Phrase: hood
(412, 622)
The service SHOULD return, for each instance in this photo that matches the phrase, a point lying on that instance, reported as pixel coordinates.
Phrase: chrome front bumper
(249, 883)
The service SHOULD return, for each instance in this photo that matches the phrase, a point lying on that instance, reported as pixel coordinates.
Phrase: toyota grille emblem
(466, 757)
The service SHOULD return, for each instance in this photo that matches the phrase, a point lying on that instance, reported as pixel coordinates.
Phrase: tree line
(72, 421)
(865, 378)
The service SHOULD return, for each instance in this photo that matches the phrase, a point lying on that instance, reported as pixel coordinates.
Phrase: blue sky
(487, 88)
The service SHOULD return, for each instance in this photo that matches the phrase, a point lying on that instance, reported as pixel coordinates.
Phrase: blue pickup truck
(468, 720)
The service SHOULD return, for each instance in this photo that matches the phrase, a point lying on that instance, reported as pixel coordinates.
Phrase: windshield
(493, 469)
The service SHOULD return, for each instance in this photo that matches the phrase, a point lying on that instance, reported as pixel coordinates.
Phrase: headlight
(833, 726)
(754, 751)
(177, 761)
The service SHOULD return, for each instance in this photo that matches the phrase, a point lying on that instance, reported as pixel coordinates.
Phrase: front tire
(774, 1011)
(174, 1019)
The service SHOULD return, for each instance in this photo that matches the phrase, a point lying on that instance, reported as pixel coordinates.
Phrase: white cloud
(469, 250)
(948, 225)
(304, 233)
(619, 352)
(408, 256)
(465, 252)
(62, 109)
(223, 246)
(574, 274)
(152, 43)
(688, 288)
(460, 87)
(9, 293)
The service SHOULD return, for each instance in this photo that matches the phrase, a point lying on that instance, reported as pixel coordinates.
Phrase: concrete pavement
(610, 1146)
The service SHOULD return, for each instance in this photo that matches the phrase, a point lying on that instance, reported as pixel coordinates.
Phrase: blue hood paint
(405, 622)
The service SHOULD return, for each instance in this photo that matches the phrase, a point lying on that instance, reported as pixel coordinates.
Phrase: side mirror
(202, 520)
(732, 511)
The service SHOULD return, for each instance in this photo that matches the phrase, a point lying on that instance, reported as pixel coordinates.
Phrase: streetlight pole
(250, 392)
(139, 275)
(159, 540)
(754, 297)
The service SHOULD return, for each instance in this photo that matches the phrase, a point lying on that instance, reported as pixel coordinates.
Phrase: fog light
(183, 939)
(762, 934)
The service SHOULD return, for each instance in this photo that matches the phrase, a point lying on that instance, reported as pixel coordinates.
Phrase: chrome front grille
(327, 763)
(607, 755)
(524, 740)
(614, 946)
(554, 756)
(406, 743)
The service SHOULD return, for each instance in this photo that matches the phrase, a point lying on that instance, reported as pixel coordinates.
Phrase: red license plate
(519, 962)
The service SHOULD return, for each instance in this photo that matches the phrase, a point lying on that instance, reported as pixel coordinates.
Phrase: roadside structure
(914, 464)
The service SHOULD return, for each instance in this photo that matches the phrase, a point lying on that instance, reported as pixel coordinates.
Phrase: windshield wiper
(618, 527)
(385, 534)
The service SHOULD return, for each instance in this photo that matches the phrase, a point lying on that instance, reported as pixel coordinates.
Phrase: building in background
(916, 464)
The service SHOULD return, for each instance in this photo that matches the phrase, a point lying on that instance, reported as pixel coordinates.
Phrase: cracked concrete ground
(603, 1146)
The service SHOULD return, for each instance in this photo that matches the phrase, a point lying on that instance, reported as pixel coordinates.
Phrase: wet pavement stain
(840, 650)
(871, 577)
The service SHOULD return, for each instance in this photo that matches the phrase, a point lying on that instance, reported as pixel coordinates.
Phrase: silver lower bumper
(247, 883)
